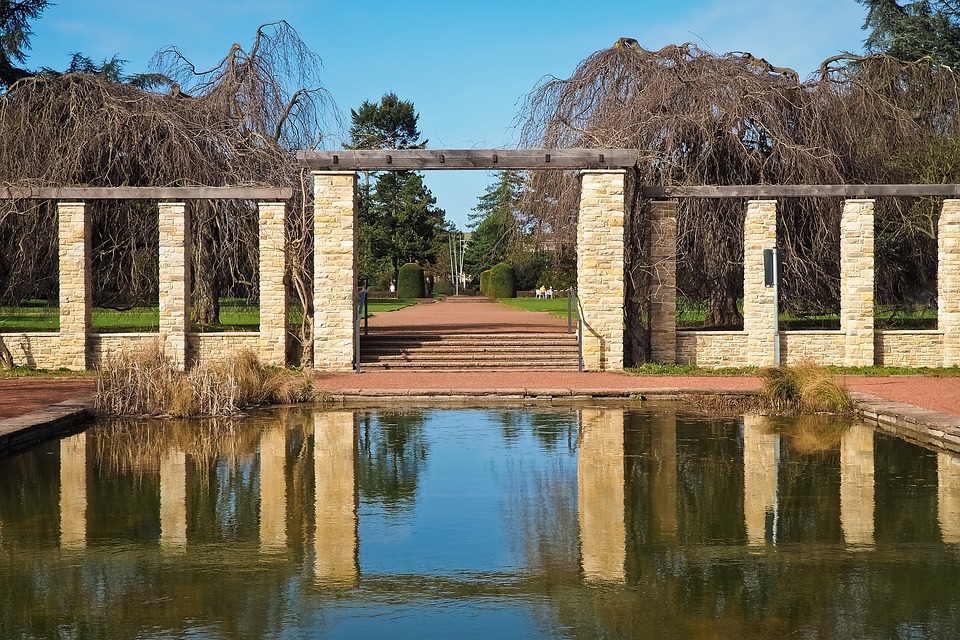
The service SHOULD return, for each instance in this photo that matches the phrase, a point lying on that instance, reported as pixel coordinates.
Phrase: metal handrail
(571, 297)
(361, 315)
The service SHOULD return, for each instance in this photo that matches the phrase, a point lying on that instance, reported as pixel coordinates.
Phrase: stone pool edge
(30, 429)
(916, 424)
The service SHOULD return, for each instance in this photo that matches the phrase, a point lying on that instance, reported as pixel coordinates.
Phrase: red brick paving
(19, 396)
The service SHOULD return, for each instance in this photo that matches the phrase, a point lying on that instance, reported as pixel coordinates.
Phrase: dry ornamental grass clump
(146, 383)
(805, 388)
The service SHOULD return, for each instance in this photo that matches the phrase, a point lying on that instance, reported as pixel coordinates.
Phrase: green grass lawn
(234, 316)
(556, 307)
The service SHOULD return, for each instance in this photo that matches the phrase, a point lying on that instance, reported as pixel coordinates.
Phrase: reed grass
(145, 382)
(805, 388)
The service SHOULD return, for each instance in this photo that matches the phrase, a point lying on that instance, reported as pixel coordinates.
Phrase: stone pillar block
(76, 296)
(600, 495)
(857, 282)
(759, 305)
(174, 280)
(600, 278)
(663, 294)
(335, 269)
(273, 289)
(948, 281)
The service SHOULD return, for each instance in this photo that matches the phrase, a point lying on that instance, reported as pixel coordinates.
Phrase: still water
(596, 522)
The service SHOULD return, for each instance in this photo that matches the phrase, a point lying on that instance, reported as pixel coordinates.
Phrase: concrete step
(466, 352)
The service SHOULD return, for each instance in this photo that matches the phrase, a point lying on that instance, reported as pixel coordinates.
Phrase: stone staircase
(469, 352)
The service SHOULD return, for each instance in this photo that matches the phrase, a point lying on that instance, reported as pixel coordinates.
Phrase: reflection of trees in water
(393, 450)
(548, 427)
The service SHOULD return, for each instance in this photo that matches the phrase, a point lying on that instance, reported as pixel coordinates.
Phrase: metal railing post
(570, 310)
(361, 315)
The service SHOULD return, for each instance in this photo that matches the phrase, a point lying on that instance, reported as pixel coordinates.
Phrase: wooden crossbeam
(460, 159)
(803, 191)
(147, 193)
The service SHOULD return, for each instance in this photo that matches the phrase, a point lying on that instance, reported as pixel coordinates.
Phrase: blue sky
(466, 65)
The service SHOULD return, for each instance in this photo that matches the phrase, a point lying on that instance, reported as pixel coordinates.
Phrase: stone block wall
(948, 281)
(600, 279)
(820, 347)
(210, 347)
(663, 296)
(76, 298)
(174, 280)
(909, 349)
(34, 349)
(712, 349)
(273, 289)
(335, 269)
(759, 309)
(857, 281)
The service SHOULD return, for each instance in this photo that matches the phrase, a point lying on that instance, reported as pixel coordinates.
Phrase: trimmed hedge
(410, 282)
(503, 282)
(485, 282)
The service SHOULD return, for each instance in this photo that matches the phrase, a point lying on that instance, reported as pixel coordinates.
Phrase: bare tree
(235, 124)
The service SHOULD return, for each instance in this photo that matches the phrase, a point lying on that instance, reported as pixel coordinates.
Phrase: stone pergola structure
(77, 346)
(602, 224)
(600, 238)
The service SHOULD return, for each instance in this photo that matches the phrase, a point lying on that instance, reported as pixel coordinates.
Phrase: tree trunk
(6, 360)
(722, 310)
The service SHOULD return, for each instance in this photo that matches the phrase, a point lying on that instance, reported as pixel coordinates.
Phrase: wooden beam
(146, 193)
(804, 191)
(471, 159)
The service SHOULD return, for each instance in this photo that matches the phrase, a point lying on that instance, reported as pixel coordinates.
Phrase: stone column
(759, 319)
(76, 297)
(759, 477)
(600, 495)
(174, 280)
(856, 282)
(273, 488)
(273, 288)
(948, 498)
(336, 542)
(856, 486)
(600, 280)
(73, 492)
(663, 296)
(335, 269)
(663, 479)
(948, 281)
(173, 501)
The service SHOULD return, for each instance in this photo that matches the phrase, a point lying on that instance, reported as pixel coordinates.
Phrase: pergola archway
(600, 242)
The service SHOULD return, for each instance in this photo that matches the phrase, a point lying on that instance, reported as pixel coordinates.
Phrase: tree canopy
(399, 220)
(914, 30)
(15, 32)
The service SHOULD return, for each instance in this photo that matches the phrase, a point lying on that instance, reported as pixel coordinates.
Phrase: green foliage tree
(410, 281)
(914, 30)
(495, 223)
(502, 283)
(15, 17)
(399, 220)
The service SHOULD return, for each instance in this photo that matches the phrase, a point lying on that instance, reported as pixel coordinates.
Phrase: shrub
(443, 287)
(410, 283)
(145, 382)
(805, 388)
(503, 282)
(485, 282)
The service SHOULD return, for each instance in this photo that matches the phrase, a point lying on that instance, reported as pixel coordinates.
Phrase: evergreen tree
(913, 30)
(15, 17)
(399, 220)
(496, 223)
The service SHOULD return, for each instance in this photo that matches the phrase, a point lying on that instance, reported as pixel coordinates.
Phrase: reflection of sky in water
(589, 523)
(456, 523)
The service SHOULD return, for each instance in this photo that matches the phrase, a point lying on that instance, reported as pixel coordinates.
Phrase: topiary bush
(410, 282)
(503, 282)
(443, 287)
(485, 282)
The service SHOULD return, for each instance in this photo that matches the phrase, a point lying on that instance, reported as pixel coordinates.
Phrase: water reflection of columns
(273, 488)
(664, 477)
(173, 501)
(856, 485)
(948, 497)
(335, 450)
(600, 495)
(759, 477)
(73, 492)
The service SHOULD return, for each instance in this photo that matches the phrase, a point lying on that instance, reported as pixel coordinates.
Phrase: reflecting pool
(580, 523)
